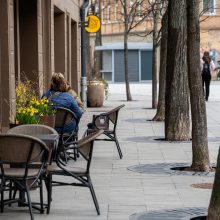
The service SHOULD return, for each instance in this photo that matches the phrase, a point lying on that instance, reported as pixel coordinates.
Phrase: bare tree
(200, 161)
(214, 206)
(154, 9)
(130, 16)
(154, 13)
(98, 41)
(89, 64)
(160, 114)
(177, 124)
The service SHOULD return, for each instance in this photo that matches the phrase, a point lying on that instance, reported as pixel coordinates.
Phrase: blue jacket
(64, 99)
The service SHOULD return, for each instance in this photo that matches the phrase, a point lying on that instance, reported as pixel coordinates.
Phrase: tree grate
(210, 140)
(170, 214)
(168, 169)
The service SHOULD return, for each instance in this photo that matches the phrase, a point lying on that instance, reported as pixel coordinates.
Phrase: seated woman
(59, 97)
(72, 92)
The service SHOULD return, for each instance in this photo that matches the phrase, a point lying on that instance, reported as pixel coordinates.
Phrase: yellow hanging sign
(94, 24)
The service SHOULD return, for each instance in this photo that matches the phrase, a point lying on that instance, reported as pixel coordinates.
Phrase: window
(116, 10)
(109, 11)
(106, 11)
(141, 9)
(107, 65)
(209, 6)
(131, 3)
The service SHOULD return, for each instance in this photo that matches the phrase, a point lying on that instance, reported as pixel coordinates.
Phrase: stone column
(46, 41)
(7, 65)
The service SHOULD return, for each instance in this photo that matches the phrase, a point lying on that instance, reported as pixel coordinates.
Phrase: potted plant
(30, 109)
(46, 112)
(25, 111)
(97, 91)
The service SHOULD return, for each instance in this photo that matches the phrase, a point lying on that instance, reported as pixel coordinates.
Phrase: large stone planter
(95, 94)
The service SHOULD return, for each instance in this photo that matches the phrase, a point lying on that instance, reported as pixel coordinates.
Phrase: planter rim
(95, 82)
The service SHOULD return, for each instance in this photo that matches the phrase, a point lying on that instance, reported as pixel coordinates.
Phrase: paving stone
(122, 192)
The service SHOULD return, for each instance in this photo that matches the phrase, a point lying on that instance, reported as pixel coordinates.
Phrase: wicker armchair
(37, 130)
(63, 117)
(17, 155)
(79, 173)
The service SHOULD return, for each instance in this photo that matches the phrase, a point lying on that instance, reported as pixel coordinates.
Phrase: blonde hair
(58, 83)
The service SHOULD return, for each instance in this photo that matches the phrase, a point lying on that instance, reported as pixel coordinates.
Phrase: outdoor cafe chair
(40, 131)
(17, 155)
(80, 172)
(46, 134)
(108, 122)
(63, 116)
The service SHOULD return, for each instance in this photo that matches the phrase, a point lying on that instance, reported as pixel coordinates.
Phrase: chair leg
(93, 195)
(2, 201)
(14, 194)
(118, 147)
(29, 201)
(75, 151)
(48, 183)
(114, 138)
(10, 192)
(41, 197)
(76, 154)
(2, 196)
(65, 156)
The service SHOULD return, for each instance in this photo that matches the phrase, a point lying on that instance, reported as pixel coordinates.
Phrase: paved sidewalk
(121, 192)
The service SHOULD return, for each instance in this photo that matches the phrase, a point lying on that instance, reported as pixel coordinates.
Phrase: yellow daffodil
(29, 106)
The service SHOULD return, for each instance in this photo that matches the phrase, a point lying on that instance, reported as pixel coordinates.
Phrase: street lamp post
(83, 12)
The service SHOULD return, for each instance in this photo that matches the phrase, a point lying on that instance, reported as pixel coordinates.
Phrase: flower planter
(95, 95)
(48, 120)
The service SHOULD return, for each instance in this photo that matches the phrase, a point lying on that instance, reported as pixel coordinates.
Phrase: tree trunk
(154, 69)
(126, 21)
(200, 161)
(89, 59)
(214, 206)
(98, 42)
(160, 115)
(128, 93)
(98, 55)
(177, 124)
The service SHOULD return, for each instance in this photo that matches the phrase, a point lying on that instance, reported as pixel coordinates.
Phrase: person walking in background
(207, 66)
(59, 96)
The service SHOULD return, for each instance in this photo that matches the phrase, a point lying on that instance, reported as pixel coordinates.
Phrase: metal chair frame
(103, 121)
(37, 129)
(34, 151)
(85, 148)
(65, 138)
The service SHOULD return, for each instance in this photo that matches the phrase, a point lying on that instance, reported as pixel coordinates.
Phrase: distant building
(210, 28)
(140, 48)
(37, 37)
(139, 61)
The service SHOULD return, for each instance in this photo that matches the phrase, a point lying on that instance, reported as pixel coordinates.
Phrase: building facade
(37, 38)
(210, 29)
(140, 56)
